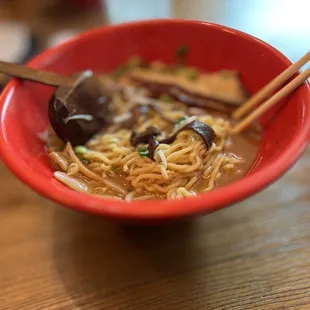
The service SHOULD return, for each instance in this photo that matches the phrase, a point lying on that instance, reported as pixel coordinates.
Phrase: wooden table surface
(254, 255)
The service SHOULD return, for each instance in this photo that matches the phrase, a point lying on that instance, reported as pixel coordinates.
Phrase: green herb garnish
(134, 62)
(225, 74)
(119, 71)
(180, 120)
(166, 98)
(122, 69)
(80, 150)
(182, 52)
(116, 169)
(193, 74)
(143, 151)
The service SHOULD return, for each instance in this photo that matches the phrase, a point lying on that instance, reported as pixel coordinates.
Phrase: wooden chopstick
(270, 87)
(241, 125)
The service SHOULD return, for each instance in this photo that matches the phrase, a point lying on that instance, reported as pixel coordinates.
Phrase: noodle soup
(168, 139)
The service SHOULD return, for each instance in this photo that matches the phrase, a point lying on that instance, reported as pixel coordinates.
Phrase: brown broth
(244, 146)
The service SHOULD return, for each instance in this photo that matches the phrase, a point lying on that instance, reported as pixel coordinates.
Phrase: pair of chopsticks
(267, 91)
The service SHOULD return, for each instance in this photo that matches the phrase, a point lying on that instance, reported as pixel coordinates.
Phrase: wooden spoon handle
(26, 73)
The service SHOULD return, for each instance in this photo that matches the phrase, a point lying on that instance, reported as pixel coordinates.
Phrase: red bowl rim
(156, 209)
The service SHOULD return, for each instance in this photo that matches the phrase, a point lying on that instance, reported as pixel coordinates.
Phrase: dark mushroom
(144, 137)
(153, 144)
(77, 113)
(203, 130)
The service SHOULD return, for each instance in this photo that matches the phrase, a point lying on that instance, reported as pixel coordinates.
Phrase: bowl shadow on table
(113, 265)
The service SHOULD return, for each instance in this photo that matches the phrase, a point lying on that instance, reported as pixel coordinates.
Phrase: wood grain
(254, 255)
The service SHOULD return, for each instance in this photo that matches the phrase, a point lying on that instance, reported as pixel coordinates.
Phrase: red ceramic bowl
(23, 110)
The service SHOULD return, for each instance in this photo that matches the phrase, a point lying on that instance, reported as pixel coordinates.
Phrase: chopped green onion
(80, 150)
(134, 62)
(180, 120)
(225, 74)
(122, 69)
(166, 98)
(116, 169)
(143, 151)
(119, 71)
(182, 51)
(141, 148)
(193, 74)
(179, 71)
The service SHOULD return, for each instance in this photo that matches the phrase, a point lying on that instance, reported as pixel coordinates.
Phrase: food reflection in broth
(168, 139)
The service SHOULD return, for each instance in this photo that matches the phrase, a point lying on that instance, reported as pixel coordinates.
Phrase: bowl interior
(24, 104)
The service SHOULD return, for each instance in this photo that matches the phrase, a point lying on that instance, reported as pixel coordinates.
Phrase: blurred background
(29, 26)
